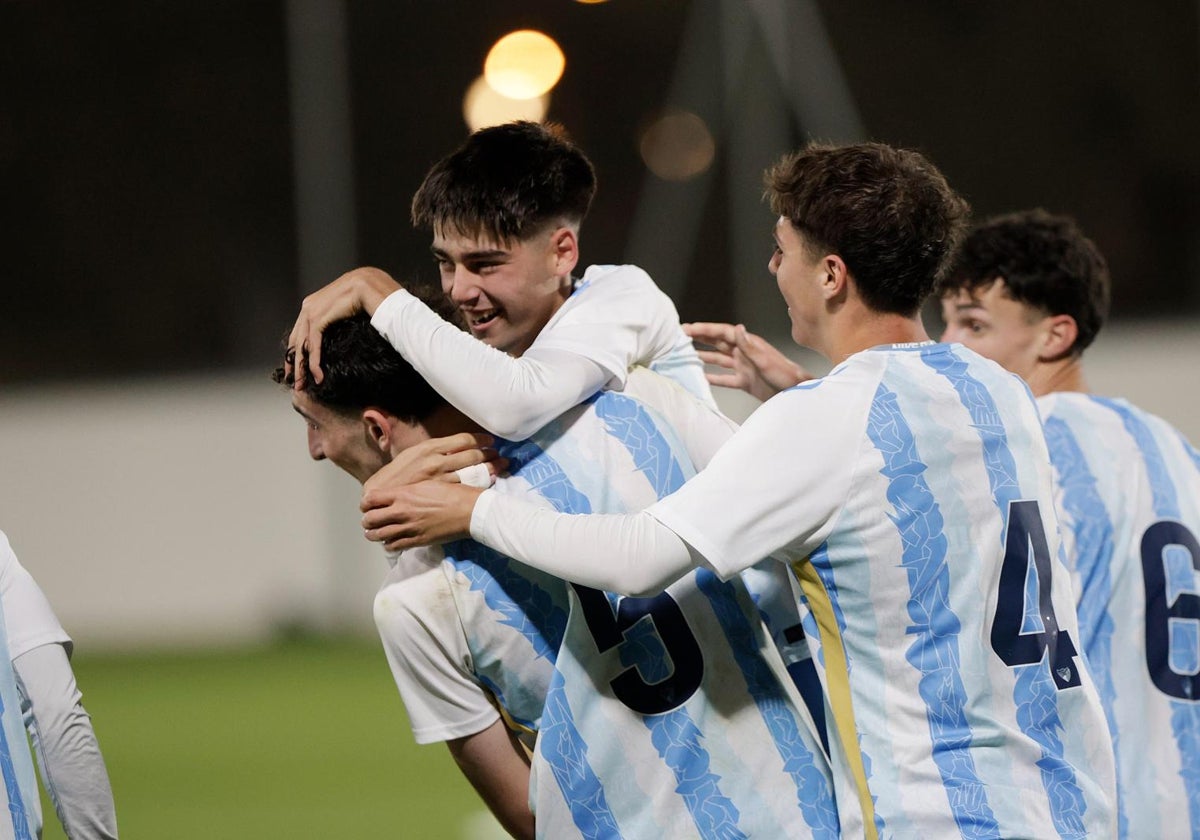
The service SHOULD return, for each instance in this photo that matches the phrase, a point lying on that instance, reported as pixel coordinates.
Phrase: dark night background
(146, 171)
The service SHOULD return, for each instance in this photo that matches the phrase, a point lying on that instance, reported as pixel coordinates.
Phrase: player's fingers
(712, 357)
(476, 475)
(725, 380)
(294, 347)
(463, 441)
(710, 332)
(314, 354)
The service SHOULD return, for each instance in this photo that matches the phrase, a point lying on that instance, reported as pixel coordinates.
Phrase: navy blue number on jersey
(1183, 612)
(1025, 542)
(609, 628)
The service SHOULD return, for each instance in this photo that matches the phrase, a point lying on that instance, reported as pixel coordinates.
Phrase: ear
(836, 280)
(1058, 337)
(378, 428)
(564, 250)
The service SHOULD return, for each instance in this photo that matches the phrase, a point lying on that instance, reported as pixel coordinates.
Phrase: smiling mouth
(475, 320)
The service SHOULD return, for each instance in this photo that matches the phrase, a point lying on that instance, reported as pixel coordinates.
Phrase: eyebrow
(303, 414)
(471, 255)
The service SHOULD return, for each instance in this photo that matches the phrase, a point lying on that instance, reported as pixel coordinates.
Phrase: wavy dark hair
(507, 182)
(1045, 262)
(887, 212)
(361, 369)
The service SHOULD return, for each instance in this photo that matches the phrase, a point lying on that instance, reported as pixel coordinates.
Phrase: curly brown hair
(887, 212)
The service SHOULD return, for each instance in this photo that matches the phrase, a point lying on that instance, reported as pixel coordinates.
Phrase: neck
(448, 420)
(865, 329)
(1062, 375)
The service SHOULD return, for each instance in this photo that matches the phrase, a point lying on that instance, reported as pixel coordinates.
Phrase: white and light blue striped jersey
(470, 636)
(670, 716)
(911, 493)
(1129, 500)
(619, 318)
(21, 817)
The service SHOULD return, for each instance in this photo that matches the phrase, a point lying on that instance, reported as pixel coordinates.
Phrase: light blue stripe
(1185, 715)
(566, 752)
(674, 734)
(16, 802)
(630, 423)
(519, 602)
(813, 794)
(934, 651)
(1093, 530)
(1036, 699)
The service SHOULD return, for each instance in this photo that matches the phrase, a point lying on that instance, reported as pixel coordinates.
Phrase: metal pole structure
(323, 167)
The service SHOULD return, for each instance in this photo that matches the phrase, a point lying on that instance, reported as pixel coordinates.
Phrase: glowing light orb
(524, 64)
(677, 146)
(483, 106)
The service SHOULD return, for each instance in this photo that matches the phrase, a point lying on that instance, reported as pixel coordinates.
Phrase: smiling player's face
(506, 292)
(339, 437)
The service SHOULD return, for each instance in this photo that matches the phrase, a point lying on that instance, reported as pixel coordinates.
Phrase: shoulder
(615, 276)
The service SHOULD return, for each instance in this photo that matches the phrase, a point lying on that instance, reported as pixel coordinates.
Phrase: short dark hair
(361, 370)
(1044, 260)
(887, 212)
(507, 182)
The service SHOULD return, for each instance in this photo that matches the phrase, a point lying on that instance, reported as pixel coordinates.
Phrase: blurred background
(174, 177)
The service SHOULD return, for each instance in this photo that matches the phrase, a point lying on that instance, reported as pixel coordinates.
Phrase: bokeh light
(483, 106)
(677, 146)
(524, 64)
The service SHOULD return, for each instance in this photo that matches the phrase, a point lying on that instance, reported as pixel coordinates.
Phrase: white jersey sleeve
(427, 651)
(28, 617)
(615, 319)
(802, 440)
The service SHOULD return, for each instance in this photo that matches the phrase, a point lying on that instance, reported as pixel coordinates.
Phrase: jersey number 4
(609, 628)
(1178, 620)
(1013, 638)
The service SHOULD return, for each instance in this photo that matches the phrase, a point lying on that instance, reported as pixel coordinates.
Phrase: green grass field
(303, 740)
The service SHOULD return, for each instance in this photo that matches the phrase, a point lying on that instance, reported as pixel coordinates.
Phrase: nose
(314, 445)
(461, 288)
(773, 263)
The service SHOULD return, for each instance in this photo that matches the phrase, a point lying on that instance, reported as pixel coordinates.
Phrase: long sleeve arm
(67, 751)
(627, 554)
(510, 397)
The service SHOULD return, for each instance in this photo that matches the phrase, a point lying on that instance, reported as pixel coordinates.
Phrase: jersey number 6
(1181, 616)
(608, 628)
(1025, 541)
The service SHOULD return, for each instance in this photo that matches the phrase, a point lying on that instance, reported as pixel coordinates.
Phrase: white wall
(186, 511)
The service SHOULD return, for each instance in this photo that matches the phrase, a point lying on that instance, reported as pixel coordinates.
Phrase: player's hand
(751, 363)
(467, 458)
(422, 514)
(360, 290)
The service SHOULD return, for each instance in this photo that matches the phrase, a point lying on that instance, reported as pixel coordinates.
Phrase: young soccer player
(671, 716)
(1031, 291)
(910, 492)
(37, 684)
(505, 211)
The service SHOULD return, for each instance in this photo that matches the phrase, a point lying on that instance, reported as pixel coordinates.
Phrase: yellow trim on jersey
(837, 684)
(514, 727)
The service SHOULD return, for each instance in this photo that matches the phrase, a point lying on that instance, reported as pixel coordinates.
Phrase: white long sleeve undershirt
(629, 554)
(510, 397)
(68, 754)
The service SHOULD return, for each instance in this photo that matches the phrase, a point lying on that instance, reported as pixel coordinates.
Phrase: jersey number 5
(1025, 544)
(608, 628)
(1182, 616)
